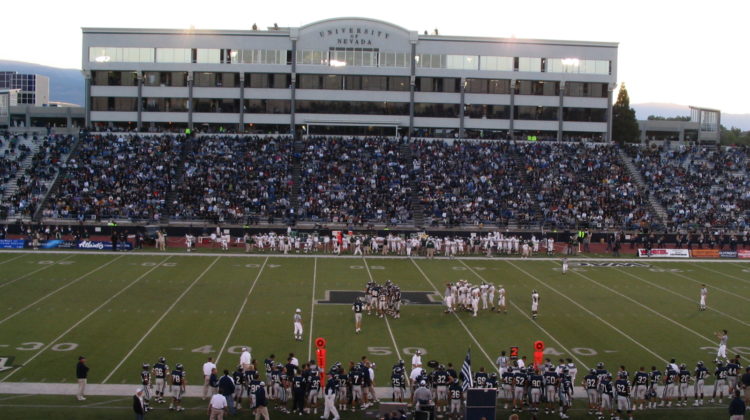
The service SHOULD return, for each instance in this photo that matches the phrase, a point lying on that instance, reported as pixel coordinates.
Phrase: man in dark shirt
(82, 372)
(745, 383)
(139, 407)
(226, 388)
(261, 403)
(737, 407)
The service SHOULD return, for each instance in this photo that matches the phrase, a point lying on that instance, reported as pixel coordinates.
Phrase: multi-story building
(349, 75)
(34, 88)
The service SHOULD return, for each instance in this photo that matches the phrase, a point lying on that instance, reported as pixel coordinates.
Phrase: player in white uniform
(483, 290)
(298, 324)
(564, 265)
(475, 300)
(189, 241)
(704, 294)
(723, 338)
(534, 303)
(501, 299)
(491, 295)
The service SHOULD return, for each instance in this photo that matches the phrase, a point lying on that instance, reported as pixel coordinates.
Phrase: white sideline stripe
(552, 337)
(59, 288)
(33, 272)
(682, 296)
(709, 284)
(683, 326)
(460, 321)
(312, 309)
(387, 324)
(95, 310)
(153, 326)
(11, 259)
(589, 312)
(723, 274)
(237, 318)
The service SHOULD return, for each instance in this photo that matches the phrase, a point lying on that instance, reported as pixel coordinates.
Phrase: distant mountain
(642, 111)
(65, 85)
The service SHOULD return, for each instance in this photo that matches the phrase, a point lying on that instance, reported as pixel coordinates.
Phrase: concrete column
(461, 112)
(190, 100)
(139, 104)
(560, 112)
(87, 99)
(241, 128)
(68, 118)
(413, 38)
(512, 108)
(610, 90)
(293, 87)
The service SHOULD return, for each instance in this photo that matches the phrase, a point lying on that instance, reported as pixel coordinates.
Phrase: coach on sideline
(226, 389)
(138, 406)
(745, 383)
(207, 369)
(82, 372)
(217, 407)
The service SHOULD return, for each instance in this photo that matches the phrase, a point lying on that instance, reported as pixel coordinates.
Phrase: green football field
(124, 310)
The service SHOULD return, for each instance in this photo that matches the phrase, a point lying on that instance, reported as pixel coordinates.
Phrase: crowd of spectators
(13, 153)
(117, 177)
(44, 167)
(699, 187)
(235, 179)
(354, 181)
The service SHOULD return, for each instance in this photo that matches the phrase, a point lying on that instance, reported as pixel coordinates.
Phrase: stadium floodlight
(102, 59)
(337, 63)
(570, 62)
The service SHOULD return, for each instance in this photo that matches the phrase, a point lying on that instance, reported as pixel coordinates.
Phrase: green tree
(624, 124)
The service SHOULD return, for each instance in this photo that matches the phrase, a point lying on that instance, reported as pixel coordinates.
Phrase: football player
(534, 303)
(654, 378)
(240, 383)
(700, 380)
(536, 382)
(703, 295)
(313, 390)
(343, 390)
(298, 324)
(683, 376)
(398, 384)
(440, 380)
(480, 378)
(253, 383)
(721, 382)
(501, 300)
(147, 385)
(178, 383)
(622, 390)
(550, 389)
(733, 368)
(723, 338)
(670, 379)
(507, 386)
(519, 389)
(640, 385)
(565, 393)
(456, 395)
(564, 265)
(590, 384)
(331, 390)
(160, 371)
(356, 379)
(358, 307)
(298, 394)
(605, 390)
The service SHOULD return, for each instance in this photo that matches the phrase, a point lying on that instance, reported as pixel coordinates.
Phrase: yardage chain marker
(517, 308)
(589, 312)
(682, 296)
(179, 298)
(645, 307)
(234, 324)
(33, 272)
(312, 309)
(722, 274)
(709, 284)
(58, 289)
(387, 324)
(95, 310)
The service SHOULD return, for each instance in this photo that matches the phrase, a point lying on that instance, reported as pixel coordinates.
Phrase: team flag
(466, 372)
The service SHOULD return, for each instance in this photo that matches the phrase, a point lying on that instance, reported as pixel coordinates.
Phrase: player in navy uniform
(268, 363)
(240, 383)
(622, 389)
(507, 386)
(398, 384)
(683, 377)
(177, 386)
(520, 381)
(480, 378)
(605, 390)
(161, 371)
(670, 382)
(456, 395)
(313, 390)
(249, 375)
(356, 380)
(701, 373)
(147, 385)
(358, 307)
(721, 382)
(640, 386)
(591, 384)
(298, 394)
(654, 378)
(440, 380)
(343, 390)
(253, 383)
(565, 393)
(331, 390)
(733, 368)
(536, 383)
(550, 389)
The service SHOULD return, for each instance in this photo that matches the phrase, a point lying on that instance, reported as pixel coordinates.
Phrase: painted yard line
(17, 396)
(33, 272)
(460, 321)
(12, 259)
(723, 274)
(95, 310)
(237, 318)
(553, 338)
(385, 317)
(683, 326)
(59, 288)
(710, 285)
(682, 296)
(312, 309)
(155, 324)
(605, 322)
(105, 402)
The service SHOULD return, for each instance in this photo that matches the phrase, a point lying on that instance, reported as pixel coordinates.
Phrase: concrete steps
(656, 206)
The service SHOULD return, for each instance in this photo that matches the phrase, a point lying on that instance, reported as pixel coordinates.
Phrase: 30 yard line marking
(460, 321)
(553, 338)
(385, 317)
(312, 309)
(588, 311)
(723, 274)
(95, 310)
(58, 289)
(711, 285)
(237, 318)
(33, 272)
(682, 296)
(153, 326)
(648, 308)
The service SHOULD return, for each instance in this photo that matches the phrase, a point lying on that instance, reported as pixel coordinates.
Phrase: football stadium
(349, 219)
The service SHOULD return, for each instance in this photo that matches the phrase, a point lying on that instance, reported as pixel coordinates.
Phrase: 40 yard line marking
(33, 272)
(52, 342)
(387, 324)
(58, 289)
(605, 322)
(516, 307)
(234, 324)
(153, 326)
(312, 309)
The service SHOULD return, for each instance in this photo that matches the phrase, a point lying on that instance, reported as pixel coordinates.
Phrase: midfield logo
(609, 264)
(346, 297)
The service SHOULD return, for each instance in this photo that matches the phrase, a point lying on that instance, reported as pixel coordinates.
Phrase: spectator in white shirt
(207, 367)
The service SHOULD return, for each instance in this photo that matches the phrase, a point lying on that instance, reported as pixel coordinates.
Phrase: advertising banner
(57, 244)
(728, 254)
(743, 253)
(705, 253)
(103, 245)
(11, 243)
(664, 253)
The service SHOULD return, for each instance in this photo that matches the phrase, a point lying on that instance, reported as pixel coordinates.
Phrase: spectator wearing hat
(139, 408)
(82, 372)
(245, 359)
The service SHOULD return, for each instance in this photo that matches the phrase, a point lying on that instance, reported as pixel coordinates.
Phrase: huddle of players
(463, 295)
(160, 379)
(602, 391)
(383, 299)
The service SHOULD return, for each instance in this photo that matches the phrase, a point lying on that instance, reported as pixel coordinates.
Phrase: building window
(436, 110)
(264, 56)
(537, 87)
(121, 55)
(542, 113)
(585, 114)
(431, 61)
(310, 57)
(393, 59)
(494, 63)
(501, 112)
(438, 84)
(165, 104)
(267, 106)
(530, 64)
(210, 56)
(462, 62)
(268, 80)
(352, 107)
(574, 65)
(174, 55)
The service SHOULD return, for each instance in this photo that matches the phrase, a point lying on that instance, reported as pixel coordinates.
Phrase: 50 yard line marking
(33, 272)
(153, 326)
(312, 309)
(234, 324)
(95, 310)
(58, 289)
(387, 324)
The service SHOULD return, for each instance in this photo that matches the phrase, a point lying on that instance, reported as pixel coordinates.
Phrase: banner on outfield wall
(728, 254)
(743, 253)
(664, 253)
(705, 253)
(57, 244)
(88, 245)
(12, 243)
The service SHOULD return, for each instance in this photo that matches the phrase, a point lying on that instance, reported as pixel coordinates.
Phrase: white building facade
(348, 76)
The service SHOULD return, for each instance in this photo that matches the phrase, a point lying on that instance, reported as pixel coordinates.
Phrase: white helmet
(299, 310)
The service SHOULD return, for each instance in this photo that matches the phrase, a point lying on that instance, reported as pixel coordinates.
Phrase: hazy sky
(685, 52)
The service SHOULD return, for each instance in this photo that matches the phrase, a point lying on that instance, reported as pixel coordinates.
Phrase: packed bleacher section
(699, 187)
(13, 153)
(354, 181)
(44, 166)
(235, 179)
(117, 177)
